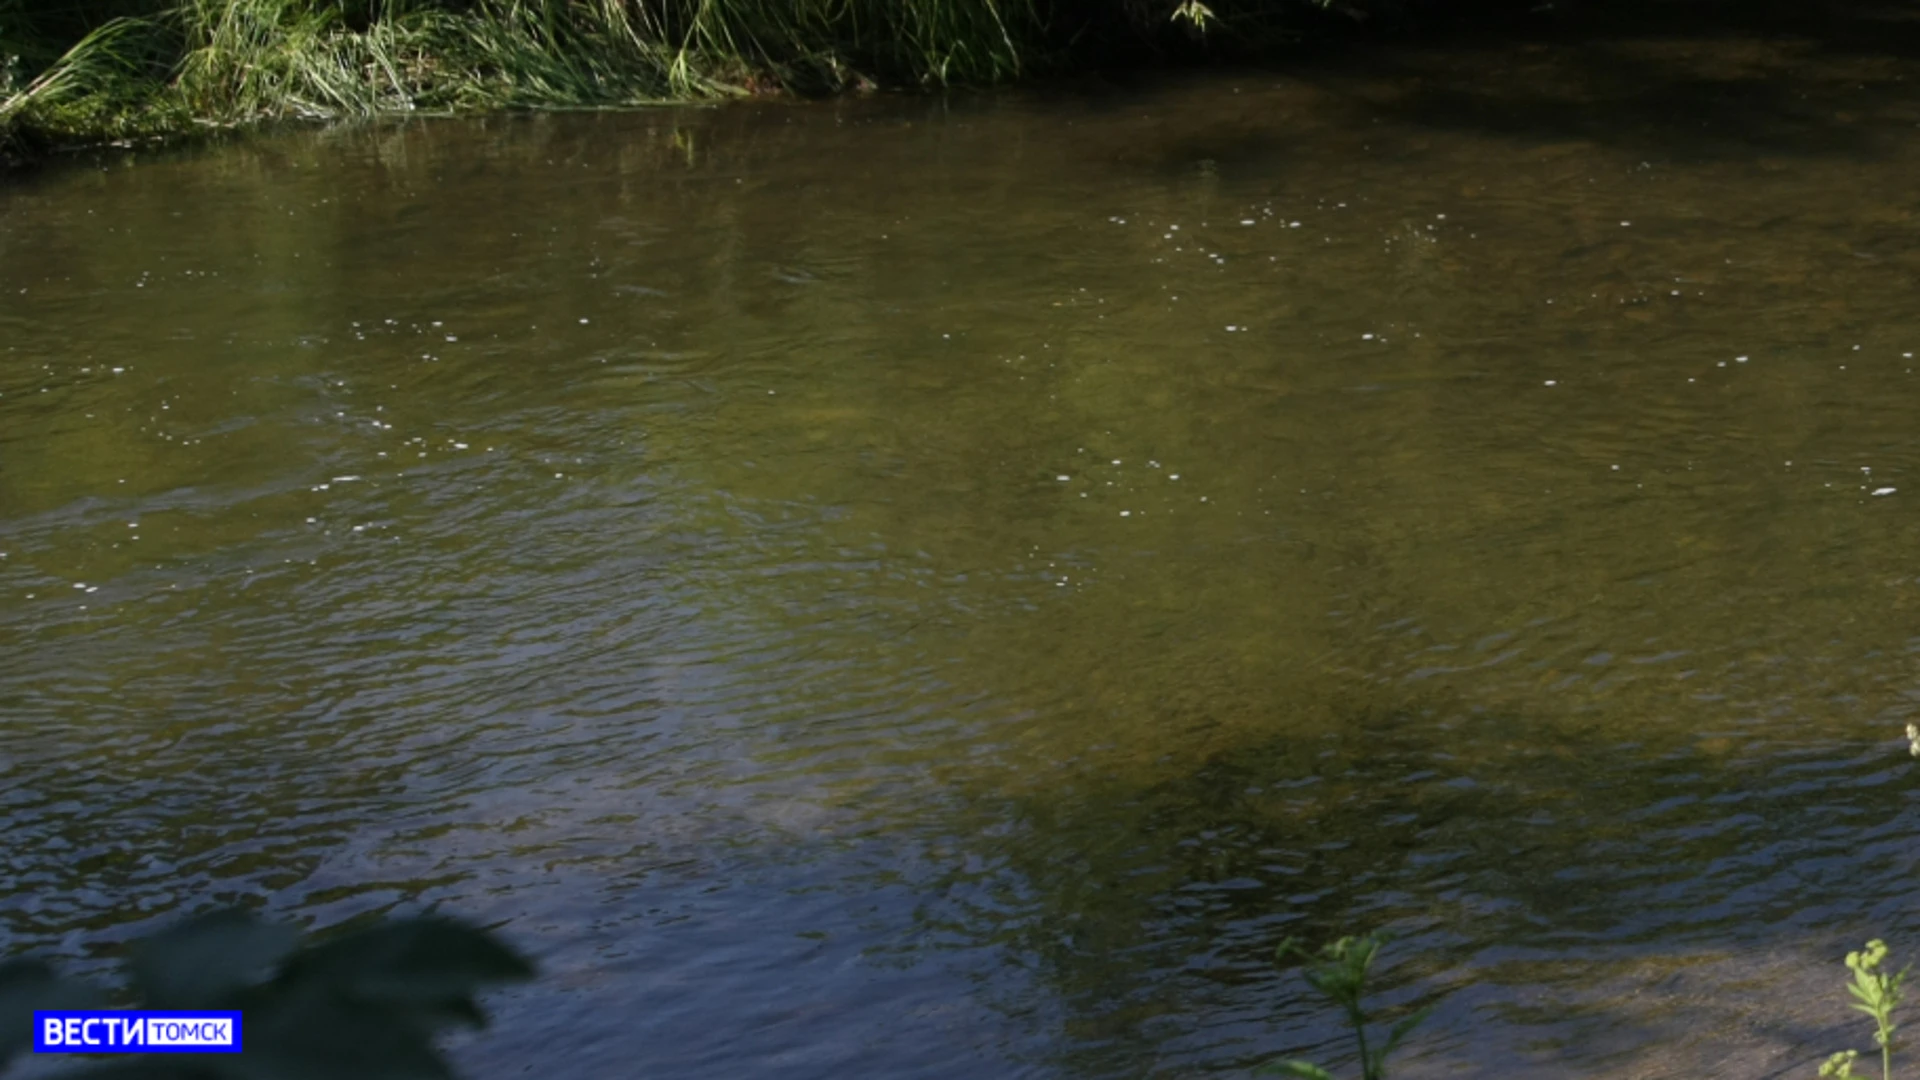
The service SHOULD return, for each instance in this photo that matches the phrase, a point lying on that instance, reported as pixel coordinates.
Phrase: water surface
(938, 588)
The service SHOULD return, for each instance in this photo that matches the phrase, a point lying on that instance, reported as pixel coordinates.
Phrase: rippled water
(936, 589)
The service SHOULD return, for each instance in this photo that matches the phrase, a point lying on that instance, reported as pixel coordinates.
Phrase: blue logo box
(135, 1031)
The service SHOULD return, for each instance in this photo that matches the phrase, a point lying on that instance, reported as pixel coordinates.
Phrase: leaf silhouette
(204, 960)
(429, 962)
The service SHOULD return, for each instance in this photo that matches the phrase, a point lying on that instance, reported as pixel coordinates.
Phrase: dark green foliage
(1876, 992)
(1339, 971)
(364, 1006)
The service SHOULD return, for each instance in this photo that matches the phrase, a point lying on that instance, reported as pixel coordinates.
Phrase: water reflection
(906, 588)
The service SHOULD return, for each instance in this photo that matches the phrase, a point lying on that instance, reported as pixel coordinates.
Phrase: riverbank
(103, 71)
(115, 69)
(99, 71)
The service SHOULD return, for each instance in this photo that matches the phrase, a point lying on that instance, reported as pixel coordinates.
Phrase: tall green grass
(127, 66)
(92, 86)
(93, 69)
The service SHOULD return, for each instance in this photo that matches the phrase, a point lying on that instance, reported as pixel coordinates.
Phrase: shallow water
(938, 588)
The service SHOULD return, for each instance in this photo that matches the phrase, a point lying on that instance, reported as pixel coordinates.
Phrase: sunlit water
(902, 588)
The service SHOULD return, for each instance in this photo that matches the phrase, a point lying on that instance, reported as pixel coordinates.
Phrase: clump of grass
(1339, 971)
(102, 85)
(101, 68)
(238, 61)
(277, 59)
(1877, 993)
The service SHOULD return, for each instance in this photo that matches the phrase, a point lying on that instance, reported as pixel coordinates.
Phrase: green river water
(937, 588)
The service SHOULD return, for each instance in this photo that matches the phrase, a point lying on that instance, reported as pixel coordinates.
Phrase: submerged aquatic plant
(1339, 971)
(1876, 993)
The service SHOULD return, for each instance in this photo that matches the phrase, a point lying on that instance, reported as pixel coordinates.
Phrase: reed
(127, 66)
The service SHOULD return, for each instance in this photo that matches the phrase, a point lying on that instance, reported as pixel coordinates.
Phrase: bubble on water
(1063, 478)
(1246, 221)
(1293, 224)
(1126, 513)
(1739, 359)
(1175, 476)
(1555, 382)
(583, 322)
(1884, 491)
(1116, 461)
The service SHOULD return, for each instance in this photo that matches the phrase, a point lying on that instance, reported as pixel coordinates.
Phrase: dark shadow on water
(1640, 103)
(1673, 80)
(1683, 80)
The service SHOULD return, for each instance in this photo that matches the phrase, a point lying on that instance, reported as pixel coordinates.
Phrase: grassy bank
(112, 68)
(84, 70)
